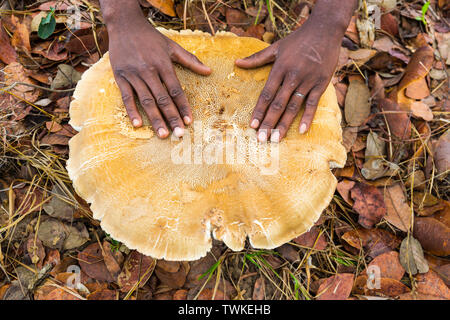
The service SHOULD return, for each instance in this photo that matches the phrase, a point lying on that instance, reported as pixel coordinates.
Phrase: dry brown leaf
(419, 66)
(337, 287)
(211, 294)
(433, 235)
(389, 24)
(168, 266)
(102, 294)
(387, 287)
(431, 284)
(441, 154)
(165, 6)
(369, 204)
(136, 269)
(180, 294)
(259, 289)
(412, 257)
(444, 273)
(398, 212)
(50, 291)
(36, 251)
(398, 120)
(15, 72)
(357, 105)
(173, 280)
(92, 263)
(308, 239)
(418, 90)
(376, 241)
(389, 265)
(113, 259)
(344, 187)
(421, 110)
(21, 37)
(7, 53)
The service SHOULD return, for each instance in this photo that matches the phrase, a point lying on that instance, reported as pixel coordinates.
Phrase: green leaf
(425, 8)
(47, 25)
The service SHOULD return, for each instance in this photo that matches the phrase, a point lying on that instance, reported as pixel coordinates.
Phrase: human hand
(142, 61)
(304, 63)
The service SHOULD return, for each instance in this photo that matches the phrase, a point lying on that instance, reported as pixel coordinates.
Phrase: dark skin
(303, 63)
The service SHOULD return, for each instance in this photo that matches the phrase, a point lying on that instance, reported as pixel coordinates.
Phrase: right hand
(142, 61)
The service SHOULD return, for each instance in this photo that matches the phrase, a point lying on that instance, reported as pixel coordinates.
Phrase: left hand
(304, 64)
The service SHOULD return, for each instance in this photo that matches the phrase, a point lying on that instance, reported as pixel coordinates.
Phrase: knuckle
(322, 81)
(258, 114)
(147, 101)
(282, 127)
(277, 106)
(267, 124)
(293, 75)
(163, 101)
(173, 121)
(176, 92)
(145, 67)
(127, 98)
(157, 122)
(184, 110)
(120, 72)
(266, 95)
(292, 107)
(312, 103)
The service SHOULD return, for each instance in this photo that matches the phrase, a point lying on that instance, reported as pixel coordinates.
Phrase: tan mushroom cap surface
(166, 202)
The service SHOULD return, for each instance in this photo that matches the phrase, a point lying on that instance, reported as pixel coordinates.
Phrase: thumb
(258, 59)
(188, 60)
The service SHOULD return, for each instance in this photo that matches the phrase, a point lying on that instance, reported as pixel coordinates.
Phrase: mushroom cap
(167, 208)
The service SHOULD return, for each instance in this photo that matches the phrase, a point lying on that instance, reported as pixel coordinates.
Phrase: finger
(266, 97)
(277, 107)
(292, 109)
(165, 103)
(310, 108)
(128, 100)
(188, 60)
(148, 104)
(178, 96)
(258, 59)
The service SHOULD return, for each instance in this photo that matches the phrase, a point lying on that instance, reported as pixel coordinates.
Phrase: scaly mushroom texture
(166, 198)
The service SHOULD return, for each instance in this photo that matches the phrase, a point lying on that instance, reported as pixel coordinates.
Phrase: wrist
(332, 16)
(120, 12)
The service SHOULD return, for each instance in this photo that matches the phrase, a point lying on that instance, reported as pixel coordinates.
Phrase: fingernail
(303, 128)
(136, 122)
(162, 132)
(178, 132)
(262, 136)
(187, 120)
(254, 124)
(275, 137)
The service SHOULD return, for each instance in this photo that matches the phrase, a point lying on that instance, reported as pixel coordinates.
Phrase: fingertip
(303, 128)
(178, 132)
(254, 124)
(203, 70)
(163, 133)
(187, 120)
(207, 69)
(241, 63)
(136, 122)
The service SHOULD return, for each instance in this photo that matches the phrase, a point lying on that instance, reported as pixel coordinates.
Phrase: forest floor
(385, 234)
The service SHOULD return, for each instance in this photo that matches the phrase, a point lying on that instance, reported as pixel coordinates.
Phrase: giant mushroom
(168, 198)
